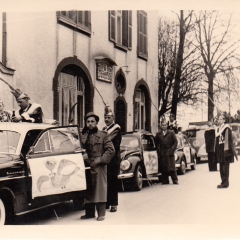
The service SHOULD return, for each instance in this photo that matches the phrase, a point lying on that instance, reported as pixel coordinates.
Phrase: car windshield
(9, 141)
(129, 141)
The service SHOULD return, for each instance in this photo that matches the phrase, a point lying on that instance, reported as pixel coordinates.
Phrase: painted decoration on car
(151, 161)
(57, 174)
(187, 153)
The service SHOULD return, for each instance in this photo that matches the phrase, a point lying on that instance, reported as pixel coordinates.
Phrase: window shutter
(87, 19)
(145, 35)
(80, 13)
(125, 28)
(112, 30)
(130, 29)
(138, 32)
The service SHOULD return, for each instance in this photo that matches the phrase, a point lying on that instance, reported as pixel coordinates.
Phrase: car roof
(137, 133)
(23, 126)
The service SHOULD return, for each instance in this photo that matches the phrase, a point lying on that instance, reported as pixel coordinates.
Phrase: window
(71, 99)
(148, 142)
(142, 34)
(78, 19)
(120, 28)
(139, 110)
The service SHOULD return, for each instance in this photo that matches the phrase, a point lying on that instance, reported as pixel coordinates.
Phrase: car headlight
(125, 165)
(176, 157)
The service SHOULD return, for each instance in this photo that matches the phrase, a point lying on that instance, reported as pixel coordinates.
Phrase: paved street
(195, 201)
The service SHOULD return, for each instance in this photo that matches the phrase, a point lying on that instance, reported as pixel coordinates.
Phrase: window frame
(142, 33)
(126, 29)
(86, 26)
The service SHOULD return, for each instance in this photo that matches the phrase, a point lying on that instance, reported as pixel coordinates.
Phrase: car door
(56, 165)
(186, 149)
(150, 156)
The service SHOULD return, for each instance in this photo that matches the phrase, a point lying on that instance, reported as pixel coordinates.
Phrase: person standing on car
(28, 112)
(114, 132)
(166, 143)
(224, 150)
(100, 151)
(4, 115)
(209, 136)
(172, 123)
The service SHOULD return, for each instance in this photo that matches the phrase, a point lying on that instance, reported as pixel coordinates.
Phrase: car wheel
(3, 215)
(182, 168)
(193, 167)
(137, 179)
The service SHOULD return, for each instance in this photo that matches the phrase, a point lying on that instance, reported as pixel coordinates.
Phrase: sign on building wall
(104, 71)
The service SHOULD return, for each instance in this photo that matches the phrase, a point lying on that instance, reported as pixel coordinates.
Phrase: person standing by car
(28, 112)
(224, 150)
(209, 136)
(166, 143)
(4, 115)
(100, 151)
(114, 132)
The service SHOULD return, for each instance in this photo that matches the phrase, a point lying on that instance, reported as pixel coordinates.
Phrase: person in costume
(100, 151)
(4, 115)
(224, 150)
(172, 123)
(28, 112)
(209, 136)
(114, 132)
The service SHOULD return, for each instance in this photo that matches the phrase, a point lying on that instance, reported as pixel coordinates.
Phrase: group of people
(220, 147)
(103, 149)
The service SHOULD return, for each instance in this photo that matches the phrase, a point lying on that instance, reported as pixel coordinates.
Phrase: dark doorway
(120, 109)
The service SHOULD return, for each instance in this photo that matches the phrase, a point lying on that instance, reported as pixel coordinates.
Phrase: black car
(139, 159)
(40, 165)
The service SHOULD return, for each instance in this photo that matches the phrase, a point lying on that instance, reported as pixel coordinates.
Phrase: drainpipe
(4, 40)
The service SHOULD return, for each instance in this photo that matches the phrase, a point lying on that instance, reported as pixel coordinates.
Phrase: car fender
(135, 160)
(7, 193)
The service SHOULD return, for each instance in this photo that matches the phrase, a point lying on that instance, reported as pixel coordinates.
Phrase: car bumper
(177, 165)
(204, 158)
(125, 175)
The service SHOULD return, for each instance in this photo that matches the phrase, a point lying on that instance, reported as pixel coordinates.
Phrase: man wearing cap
(114, 132)
(28, 112)
(100, 151)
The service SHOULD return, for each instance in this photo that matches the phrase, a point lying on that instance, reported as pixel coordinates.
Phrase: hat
(108, 111)
(19, 94)
(91, 114)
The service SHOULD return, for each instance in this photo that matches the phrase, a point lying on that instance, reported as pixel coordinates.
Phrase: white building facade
(73, 62)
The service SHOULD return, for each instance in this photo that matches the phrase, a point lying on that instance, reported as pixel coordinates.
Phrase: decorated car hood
(126, 152)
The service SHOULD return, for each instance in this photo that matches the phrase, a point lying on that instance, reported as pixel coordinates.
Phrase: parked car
(236, 129)
(196, 138)
(139, 159)
(40, 165)
(185, 155)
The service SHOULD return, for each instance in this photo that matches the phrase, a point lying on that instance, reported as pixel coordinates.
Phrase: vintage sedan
(185, 155)
(40, 165)
(139, 159)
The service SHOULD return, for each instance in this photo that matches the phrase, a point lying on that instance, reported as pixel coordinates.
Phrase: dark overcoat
(209, 136)
(100, 151)
(166, 145)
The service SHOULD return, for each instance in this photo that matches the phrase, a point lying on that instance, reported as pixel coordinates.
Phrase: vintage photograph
(119, 123)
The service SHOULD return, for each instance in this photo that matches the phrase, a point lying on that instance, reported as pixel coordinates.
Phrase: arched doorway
(121, 113)
(142, 107)
(73, 92)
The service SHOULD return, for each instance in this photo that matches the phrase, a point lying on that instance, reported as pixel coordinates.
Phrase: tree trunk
(210, 97)
(179, 66)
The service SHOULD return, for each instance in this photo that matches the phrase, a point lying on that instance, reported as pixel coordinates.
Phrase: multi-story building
(73, 62)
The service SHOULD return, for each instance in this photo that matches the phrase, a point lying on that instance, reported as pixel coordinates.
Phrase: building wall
(37, 44)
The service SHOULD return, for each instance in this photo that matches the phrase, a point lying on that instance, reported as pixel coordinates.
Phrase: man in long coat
(100, 151)
(209, 136)
(224, 150)
(114, 132)
(166, 143)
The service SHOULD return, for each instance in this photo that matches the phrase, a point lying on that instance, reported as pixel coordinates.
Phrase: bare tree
(216, 49)
(179, 70)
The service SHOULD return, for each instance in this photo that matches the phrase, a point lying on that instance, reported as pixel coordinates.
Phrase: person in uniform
(28, 112)
(166, 143)
(4, 115)
(224, 150)
(172, 123)
(114, 132)
(100, 151)
(209, 136)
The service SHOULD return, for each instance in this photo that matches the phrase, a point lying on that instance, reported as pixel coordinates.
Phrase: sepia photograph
(119, 119)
